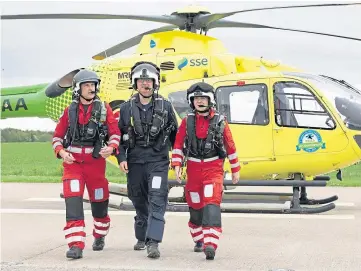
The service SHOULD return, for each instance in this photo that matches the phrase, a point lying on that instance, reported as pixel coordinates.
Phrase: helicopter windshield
(180, 103)
(344, 97)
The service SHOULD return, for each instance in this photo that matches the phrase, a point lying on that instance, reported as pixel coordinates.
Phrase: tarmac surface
(33, 217)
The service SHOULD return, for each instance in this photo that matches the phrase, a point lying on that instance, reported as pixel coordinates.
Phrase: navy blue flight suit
(148, 164)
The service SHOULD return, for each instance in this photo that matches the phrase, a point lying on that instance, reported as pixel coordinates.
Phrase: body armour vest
(209, 147)
(148, 134)
(86, 134)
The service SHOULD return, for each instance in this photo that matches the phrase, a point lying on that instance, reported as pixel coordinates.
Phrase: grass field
(35, 162)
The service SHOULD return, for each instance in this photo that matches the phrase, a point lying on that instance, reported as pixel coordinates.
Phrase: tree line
(16, 135)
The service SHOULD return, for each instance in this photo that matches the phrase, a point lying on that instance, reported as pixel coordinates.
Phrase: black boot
(74, 253)
(198, 246)
(98, 243)
(210, 252)
(152, 249)
(140, 245)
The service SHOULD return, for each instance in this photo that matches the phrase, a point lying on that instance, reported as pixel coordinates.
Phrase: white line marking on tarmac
(340, 204)
(186, 214)
(344, 204)
(45, 199)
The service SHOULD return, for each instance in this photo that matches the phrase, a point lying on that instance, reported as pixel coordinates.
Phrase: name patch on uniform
(74, 186)
(208, 190)
(156, 182)
(98, 193)
(195, 197)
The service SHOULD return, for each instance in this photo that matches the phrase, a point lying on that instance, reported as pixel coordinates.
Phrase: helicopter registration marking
(310, 141)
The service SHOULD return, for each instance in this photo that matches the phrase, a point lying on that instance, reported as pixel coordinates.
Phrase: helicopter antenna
(190, 19)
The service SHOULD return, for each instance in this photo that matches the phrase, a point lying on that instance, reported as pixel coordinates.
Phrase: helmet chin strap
(88, 100)
(206, 108)
(146, 97)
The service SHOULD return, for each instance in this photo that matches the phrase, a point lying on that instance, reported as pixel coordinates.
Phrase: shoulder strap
(103, 113)
(73, 116)
(221, 123)
(191, 123)
(96, 110)
(159, 105)
(217, 127)
(135, 120)
(191, 131)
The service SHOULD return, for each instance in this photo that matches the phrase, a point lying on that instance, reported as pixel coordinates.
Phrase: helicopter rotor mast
(189, 19)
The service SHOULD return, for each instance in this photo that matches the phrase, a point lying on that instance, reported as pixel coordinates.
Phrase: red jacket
(202, 125)
(63, 124)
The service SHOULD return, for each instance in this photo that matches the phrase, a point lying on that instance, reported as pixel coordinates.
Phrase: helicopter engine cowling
(59, 86)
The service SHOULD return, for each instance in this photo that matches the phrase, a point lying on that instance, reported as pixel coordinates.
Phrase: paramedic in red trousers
(208, 141)
(87, 123)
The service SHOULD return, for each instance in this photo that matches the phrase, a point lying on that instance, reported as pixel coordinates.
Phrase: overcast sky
(36, 51)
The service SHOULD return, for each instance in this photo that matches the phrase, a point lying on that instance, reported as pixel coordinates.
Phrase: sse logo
(194, 62)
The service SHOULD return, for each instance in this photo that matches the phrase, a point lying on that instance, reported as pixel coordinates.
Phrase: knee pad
(99, 193)
(74, 208)
(196, 216)
(100, 209)
(212, 215)
(155, 228)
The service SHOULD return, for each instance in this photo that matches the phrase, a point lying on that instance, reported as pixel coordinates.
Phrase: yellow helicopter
(289, 127)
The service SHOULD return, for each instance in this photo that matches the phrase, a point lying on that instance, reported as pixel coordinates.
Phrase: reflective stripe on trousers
(87, 150)
(203, 160)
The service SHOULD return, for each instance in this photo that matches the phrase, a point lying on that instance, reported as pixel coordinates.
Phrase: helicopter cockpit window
(345, 98)
(244, 104)
(180, 103)
(296, 106)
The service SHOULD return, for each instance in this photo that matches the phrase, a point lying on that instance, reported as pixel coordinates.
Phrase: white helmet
(145, 70)
(201, 89)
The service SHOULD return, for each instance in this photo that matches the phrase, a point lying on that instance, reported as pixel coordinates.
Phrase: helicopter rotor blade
(226, 23)
(205, 20)
(170, 19)
(128, 43)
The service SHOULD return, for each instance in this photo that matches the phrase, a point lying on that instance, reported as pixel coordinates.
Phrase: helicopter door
(247, 110)
(302, 123)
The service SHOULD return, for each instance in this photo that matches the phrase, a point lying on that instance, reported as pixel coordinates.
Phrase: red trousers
(204, 190)
(89, 172)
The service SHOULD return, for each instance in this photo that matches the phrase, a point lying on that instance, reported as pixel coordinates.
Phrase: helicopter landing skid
(245, 202)
(271, 203)
(253, 202)
(306, 201)
(177, 204)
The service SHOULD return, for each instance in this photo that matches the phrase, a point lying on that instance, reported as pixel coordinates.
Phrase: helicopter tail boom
(27, 101)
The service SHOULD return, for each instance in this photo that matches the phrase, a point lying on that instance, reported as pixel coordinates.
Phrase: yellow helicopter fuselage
(270, 151)
(266, 149)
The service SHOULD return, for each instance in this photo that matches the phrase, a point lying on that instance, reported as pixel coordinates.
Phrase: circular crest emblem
(310, 141)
